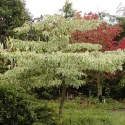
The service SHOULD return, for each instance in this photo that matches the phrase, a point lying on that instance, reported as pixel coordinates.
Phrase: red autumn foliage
(86, 16)
(91, 16)
(111, 76)
(121, 44)
(104, 35)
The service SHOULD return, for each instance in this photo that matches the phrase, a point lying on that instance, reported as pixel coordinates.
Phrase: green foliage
(49, 69)
(14, 105)
(46, 116)
(45, 58)
(89, 120)
(29, 32)
(47, 93)
(95, 114)
(57, 62)
(18, 107)
(3, 65)
(68, 10)
(55, 29)
(121, 20)
(31, 46)
(38, 70)
(81, 47)
(12, 14)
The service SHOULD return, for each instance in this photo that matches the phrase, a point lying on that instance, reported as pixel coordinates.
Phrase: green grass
(91, 116)
(82, 112)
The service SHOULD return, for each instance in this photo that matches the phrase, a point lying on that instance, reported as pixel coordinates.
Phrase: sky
(43, 7)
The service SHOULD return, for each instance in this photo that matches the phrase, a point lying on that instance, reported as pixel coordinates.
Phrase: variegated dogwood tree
(57, 62)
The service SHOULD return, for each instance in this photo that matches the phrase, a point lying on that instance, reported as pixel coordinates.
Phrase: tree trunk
(62, 99)
(99, 85)
(3, 41)
(12, 64)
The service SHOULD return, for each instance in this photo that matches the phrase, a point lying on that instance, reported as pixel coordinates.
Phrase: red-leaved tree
(104, 35)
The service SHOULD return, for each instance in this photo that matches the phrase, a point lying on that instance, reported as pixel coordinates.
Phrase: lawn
(79, 112)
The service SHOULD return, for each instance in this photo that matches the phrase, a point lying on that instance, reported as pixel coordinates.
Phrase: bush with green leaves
(14, 106)
(31, 33)
(17, 107)
(46, 115)
(47, 93)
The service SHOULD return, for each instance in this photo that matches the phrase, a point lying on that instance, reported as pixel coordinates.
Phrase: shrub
(47, 93)
(17, 107)
(46, 115)
(14, 106)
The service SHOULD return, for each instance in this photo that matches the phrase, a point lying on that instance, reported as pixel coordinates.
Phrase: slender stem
(99, 86)
(62, 99)
(99, 92)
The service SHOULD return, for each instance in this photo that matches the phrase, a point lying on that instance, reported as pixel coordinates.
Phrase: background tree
(12, 14)
(121, 9)
(68, 10)
(104, 35)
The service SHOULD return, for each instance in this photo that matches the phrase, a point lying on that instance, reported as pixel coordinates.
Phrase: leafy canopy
(38, 68)
(12, 14)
